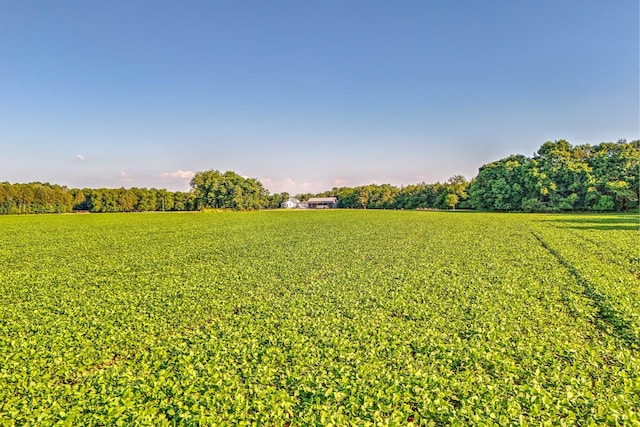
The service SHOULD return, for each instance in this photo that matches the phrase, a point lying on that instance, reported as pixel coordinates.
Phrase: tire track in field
(620, 326)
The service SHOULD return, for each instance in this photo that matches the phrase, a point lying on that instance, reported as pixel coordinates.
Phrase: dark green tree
(213, 189)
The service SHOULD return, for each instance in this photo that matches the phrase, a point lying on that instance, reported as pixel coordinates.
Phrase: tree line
(39, 197)
(449, 195)
(559, 177)
(562, 177)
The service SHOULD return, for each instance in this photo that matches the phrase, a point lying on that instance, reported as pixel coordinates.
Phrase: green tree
(276, 199)
(616, 172)
(184, 201)
(127, 201)
(562, 177)
(500, 185)
(213, 189)
(451, 200)
(363, 196)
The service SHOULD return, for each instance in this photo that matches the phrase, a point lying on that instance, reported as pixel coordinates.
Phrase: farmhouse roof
(322, 199)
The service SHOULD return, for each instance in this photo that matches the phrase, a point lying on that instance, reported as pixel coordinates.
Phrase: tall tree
(213, 189)
(451, 200)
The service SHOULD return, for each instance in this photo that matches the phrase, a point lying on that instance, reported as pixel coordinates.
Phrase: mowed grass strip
(333, 317)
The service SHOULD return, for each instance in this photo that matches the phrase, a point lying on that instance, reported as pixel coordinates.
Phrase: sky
(306, 95)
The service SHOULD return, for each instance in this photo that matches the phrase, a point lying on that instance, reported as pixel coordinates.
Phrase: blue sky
(306, 95)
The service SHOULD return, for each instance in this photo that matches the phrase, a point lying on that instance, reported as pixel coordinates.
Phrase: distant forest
(559, 177)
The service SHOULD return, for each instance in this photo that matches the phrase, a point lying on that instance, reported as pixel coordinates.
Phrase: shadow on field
(617, 222)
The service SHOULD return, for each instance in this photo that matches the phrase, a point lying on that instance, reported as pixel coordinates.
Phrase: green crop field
(320, 318)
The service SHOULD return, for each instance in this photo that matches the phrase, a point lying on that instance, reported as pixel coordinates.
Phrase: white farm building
(312, 203)
(291, 203)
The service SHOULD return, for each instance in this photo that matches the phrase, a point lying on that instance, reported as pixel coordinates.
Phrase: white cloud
(79, 157)
(179, 174)
(288, 184)
(339, 182)
(125, 177)
(267, 182)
